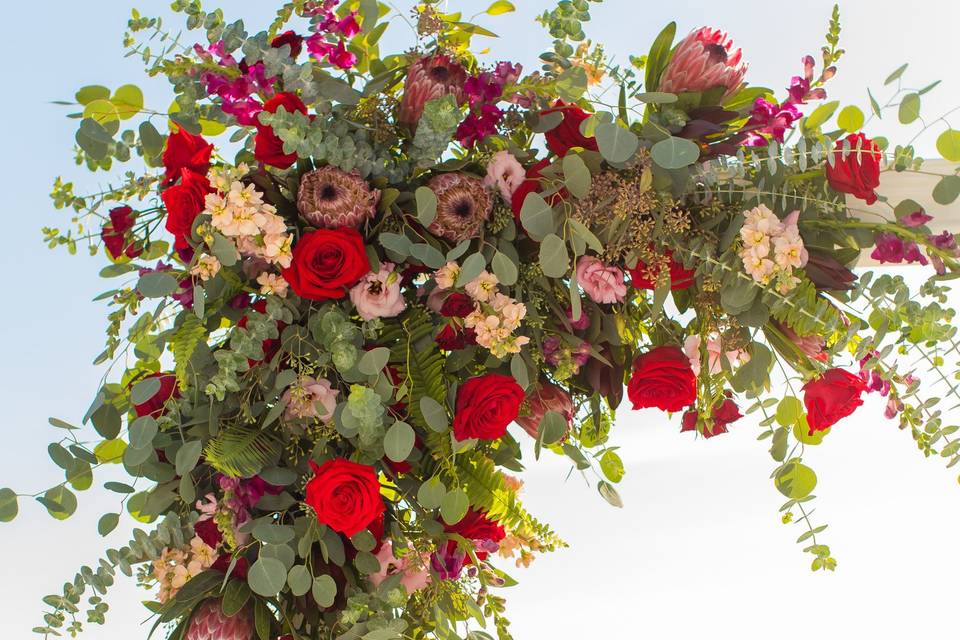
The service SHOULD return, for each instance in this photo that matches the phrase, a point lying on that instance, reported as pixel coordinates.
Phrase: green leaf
(616, 144)
(454, 506)
(428, 255)
(60, 456)
(657, 97)
(107, 523)
(586, 235)
(431, 493)
(576, 176)
(909, 108)
(518, 369)
(554, 259)
(187, 456)
(61, 503)
(8, 505)
(398, 441)
(500, 7)
(426, 205)
(157, 284)
(267, 577)
(324, 591)
(118, 487)
(820, 115)
(850, 119)
(224, 250)
(262, 620)
(395, 242)
(896, 74)
(299, 579)
(947, 190)
(472, 267)
(128, 100)
(92, 92)
(372, 362)
(874, 105)
(948, 145)
(434, 414)
(144, 390)
(235, 596)
(110, 451)
(659, 56)
(553, 426)
(789, 411)
(536, 216)
(142, 432)
(612, 466)
(795, 480)
(504, 269)
(675, 153)
(610, 494)
(270, 533)
(151, 139)
(366, 563)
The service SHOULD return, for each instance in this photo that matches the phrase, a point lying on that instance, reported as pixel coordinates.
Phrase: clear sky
(699, 548)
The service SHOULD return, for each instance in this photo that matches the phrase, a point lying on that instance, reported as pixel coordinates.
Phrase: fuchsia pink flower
(947, 242)
(703, 60)
(771, 119)
(895, 250)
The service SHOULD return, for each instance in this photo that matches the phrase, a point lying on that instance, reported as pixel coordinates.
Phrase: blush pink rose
(310, 398)
(378, 295)
(540, 399)
(416, 575)
(602, 283)
(691, 348)
(505, 173)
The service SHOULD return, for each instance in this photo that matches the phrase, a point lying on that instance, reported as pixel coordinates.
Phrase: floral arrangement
(343, 275)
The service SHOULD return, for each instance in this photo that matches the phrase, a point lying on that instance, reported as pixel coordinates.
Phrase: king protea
(210, 623)
(429, 78)
(703, 60)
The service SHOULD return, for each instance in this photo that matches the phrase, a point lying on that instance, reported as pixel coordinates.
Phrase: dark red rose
(222, 563)
(832, 396)
(290, 38)
(457, 305)
(344, 495)
(450, 338)
(476, 525)
(859, 172)
(155, 405)
(662, 378)
(680, 277)
(268, 147)
(485, 406)
(566, 135)
(114, 233)
(208, 531)
(727, 412)
(184, 202)
(270, 346)
(326, 263)
(185, 151)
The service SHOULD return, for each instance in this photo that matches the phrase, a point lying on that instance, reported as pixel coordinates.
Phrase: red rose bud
(857, 171)
(725, 413)
(566, 135)
(185, 151)
(485, 406)
(457, 305)
(326, 263)
(450, 338)
(289, 38)
(344, 495)
(680, 277)
(662, 378)
(268, 147)
(831, 397)
(155, 405)
(114, 233)
(430, 78)
(184, 202)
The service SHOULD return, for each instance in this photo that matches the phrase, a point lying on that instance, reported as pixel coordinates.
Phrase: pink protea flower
(463, 205)
(429, 78)
(544, 397)
(703, 60)
(331, 198)
(210, 623)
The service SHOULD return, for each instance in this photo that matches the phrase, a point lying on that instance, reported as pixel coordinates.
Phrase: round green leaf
(157, 284)
(235, 595)
(612, 466)
(434, 414)
(801, 431)
(820, 115)
(108, 522)
(948, 145)
(8, 505)
(60, 502)
(373, 361)
(947, 190)
(576, 176)
(92, 92)
(363, 541)
(789, 411)
(187, 456)
(850, 119)
(454, 506)
(128, 101)
(554, 259)
(431, 493)
(426, 205)
(142, 432)
(615, 143)
(267, 577)
(144, 390)
(500, 7)
(536, 216)
(366, 563)
(675, 153)
(553, 426)
(909, 108)
(80, 475)
(398, 442)
(324, 591)
(299, 580)
(60, 456)
(110, 451)
(472, 267)
(504, 269)
(796, 480)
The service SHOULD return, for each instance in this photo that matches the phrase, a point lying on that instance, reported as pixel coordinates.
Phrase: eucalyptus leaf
(675, 153)
(554, 259)
(266, 577)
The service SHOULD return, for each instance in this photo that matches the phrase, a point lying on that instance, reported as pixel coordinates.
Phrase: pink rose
(378, 295)
(601, 283)
(416, 575)
(310, 398)
(505, 173)
(691, 348)
(540, 399)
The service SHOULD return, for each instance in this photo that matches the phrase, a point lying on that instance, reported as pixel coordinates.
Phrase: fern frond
(183, 343)
(242, 451)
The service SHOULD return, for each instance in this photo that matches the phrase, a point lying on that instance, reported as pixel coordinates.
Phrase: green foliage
(183, 343)
(242, 451)
(435, 130)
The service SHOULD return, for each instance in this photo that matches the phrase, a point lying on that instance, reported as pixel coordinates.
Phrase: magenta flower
(945, 242)
(915, 219)
(478, 125)
(891, 248)
(771, 119)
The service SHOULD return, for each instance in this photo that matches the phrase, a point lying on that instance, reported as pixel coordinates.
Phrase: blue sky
(51, 331)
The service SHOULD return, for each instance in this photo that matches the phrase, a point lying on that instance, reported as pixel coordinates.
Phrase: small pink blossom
(416, 576)
(603, 284)
(505, 173)
(311, 398)
(378, 295)
(691, 348)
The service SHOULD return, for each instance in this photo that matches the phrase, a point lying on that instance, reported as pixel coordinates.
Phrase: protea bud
(703, 60)
(463, 205)
(330, 198)
(210, 623)
(826, 272)
(541, 398)
(429, 78)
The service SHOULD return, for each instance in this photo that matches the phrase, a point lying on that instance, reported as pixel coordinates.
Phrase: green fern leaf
(242, 452)
(183, 343)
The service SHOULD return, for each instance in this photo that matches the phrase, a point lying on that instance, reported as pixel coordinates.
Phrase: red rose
(859, 172)
(208, 531)
(289, 38)
(326, 263)
(185, 151)
(680, 277)
(457, 305)
(184, 202)
(832, 396)
(727, 412)
(451, 339)
(155, 405)
(662, 378)
(566, 135)
(485, 406)
(268, 147)
(476, 525)
(114, 233)
(344, 495)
